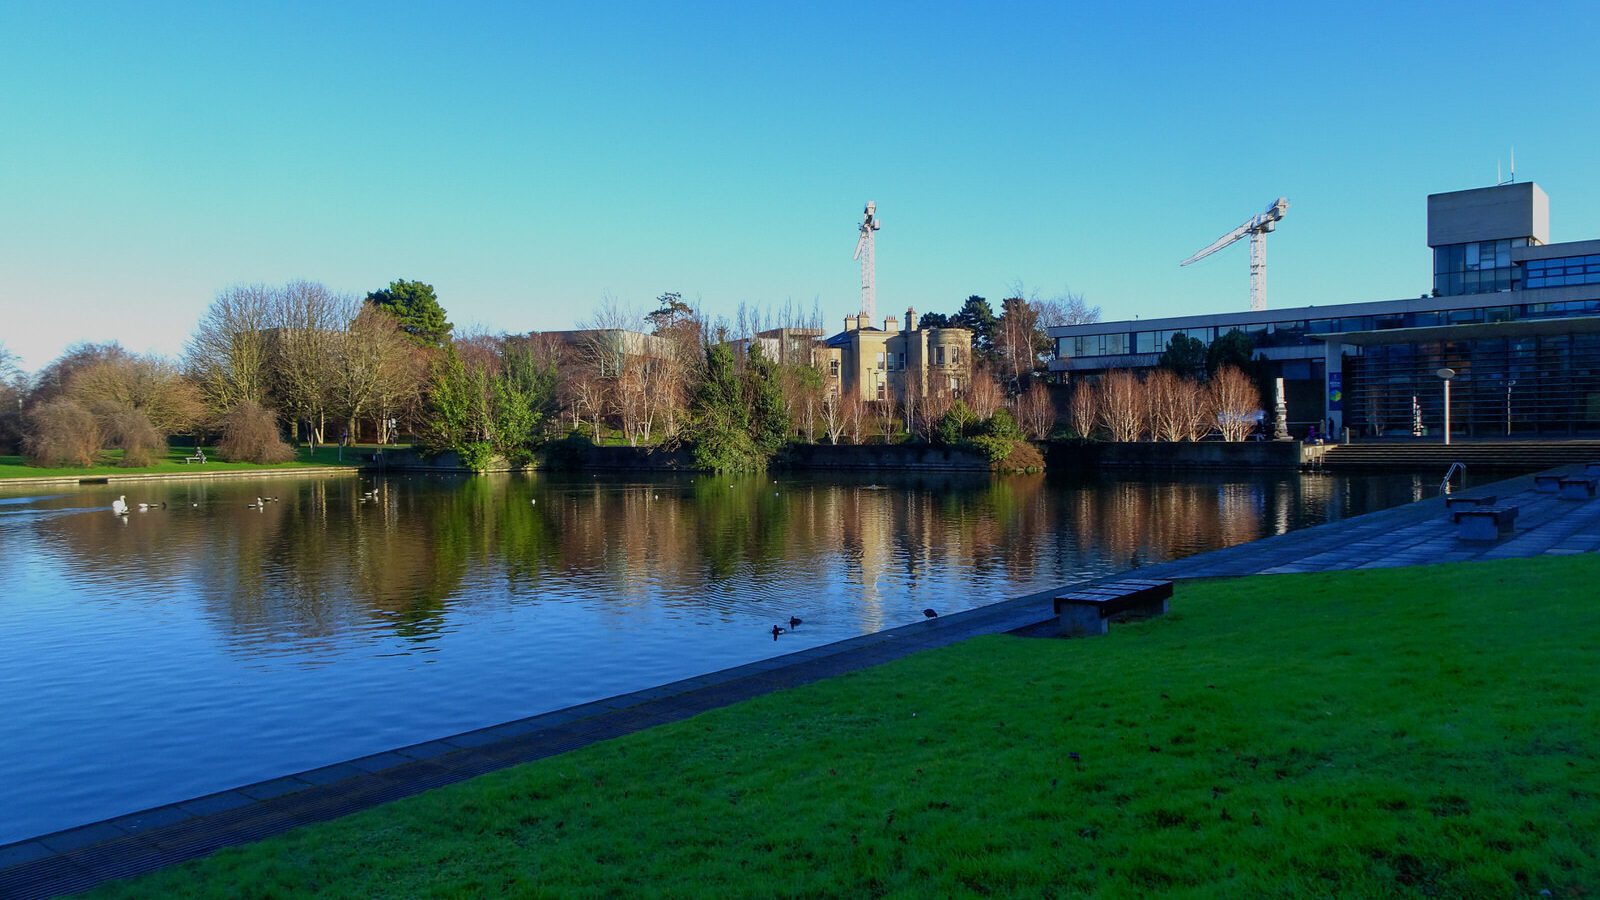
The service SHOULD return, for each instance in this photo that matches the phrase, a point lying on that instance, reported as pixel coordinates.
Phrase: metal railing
(1444, 486)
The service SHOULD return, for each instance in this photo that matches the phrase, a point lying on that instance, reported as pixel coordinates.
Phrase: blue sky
(529, 160)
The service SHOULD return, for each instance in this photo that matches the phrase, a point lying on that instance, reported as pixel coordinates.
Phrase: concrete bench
(1485, 523)
(1592, 468)
(1454, 503)
(1547, 484)
(1085, 611)
(198, 457)
(1578, 487)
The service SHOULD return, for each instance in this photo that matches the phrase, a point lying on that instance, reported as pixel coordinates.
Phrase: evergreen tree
(1184, 355)
(414, 305)
(978, 317)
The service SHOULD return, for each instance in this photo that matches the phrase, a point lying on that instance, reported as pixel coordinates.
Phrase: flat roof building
(1517, 317)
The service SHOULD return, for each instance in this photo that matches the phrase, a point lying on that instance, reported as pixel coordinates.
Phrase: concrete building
(1517, 317)
(876, 363)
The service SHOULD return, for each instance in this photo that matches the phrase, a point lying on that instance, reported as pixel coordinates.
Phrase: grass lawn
(14, 467)
(1428, 731)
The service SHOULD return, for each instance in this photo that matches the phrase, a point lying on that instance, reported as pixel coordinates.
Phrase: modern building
(1516, 317)
(879, 363)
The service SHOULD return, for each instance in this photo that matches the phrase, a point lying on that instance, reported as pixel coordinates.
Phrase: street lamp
(1510, 383)
(1445, 374)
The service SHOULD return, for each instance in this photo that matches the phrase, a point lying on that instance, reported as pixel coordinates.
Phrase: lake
(179, 651)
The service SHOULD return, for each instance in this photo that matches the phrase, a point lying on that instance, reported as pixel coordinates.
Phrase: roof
(1471, 331)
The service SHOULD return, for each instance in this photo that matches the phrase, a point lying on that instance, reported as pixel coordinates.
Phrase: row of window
(1297, 332)
(1565, 270)
(1479, 267)
(898, 360)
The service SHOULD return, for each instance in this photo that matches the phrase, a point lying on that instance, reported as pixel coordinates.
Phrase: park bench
(198, 457)
(1547, 484)
(1578, 487)
(1485, 523)
(1452, 504)
(1085, 611)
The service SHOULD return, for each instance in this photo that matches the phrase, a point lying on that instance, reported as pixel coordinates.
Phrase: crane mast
(1257, 227)
(864, 253)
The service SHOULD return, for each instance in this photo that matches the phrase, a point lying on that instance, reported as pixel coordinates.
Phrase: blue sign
(1335, 391)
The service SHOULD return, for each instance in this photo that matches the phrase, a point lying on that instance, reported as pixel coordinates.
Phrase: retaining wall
(1166, 455)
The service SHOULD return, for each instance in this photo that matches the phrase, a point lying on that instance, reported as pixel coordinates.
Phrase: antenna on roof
(1498, 180)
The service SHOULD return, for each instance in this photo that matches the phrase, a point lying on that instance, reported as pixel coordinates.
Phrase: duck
(794, 622)
(256, 505)
(777, 630)
(119, 506)
(143, 507)
(929, 613)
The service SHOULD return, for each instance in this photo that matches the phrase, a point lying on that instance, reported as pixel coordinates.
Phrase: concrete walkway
(80, 858)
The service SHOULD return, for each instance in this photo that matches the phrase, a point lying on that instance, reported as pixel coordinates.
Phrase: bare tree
(149, 385)
(229, 353)
(1068, 309)
(932, 407)
(1163, 413)
(1236, 401)
(833, 415)
(1036, 415)
(1122, 405)
(1196, 414)
(250, 434)
(62, 433)
(375, 370)
(886, 414)
(1084, 409)
(1017, 340)
(307, 320)
(984, 394)
(853, 410)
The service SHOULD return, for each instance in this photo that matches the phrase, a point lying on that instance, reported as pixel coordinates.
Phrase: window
(833, 368)
(938, 356)
(880, 360)
(882, 391)
(902, 359)
(955, 356)
(1540, 273)
(1479, 267)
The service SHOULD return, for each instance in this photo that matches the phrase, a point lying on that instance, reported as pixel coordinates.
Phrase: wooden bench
(1452, 504)
(198, 457)
(1485, 523)
(1547, 484)
(1085, 611)
(1578, 487)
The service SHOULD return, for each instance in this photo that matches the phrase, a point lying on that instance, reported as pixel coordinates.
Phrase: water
(190, 649)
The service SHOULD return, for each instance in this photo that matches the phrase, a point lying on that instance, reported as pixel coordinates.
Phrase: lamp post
(1445, 374)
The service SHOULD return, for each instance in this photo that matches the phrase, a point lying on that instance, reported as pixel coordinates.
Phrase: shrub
(250, 434)
(61, 433)
(130, 429)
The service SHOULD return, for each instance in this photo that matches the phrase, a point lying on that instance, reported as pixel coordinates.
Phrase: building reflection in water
(323, 560)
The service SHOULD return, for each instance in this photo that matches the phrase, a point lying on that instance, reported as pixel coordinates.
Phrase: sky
(531, 160)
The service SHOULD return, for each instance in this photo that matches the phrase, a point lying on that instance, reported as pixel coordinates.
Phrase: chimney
(863, 321)
(849, 323)
(889, 324)
(911, 318)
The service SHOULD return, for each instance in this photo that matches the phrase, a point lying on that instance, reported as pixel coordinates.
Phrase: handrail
(1444, 486)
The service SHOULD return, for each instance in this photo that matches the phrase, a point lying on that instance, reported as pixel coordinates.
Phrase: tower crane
(1257, 227)
(864, 250)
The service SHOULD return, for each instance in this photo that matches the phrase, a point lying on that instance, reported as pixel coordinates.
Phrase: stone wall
(903, 457)
(1070, 456)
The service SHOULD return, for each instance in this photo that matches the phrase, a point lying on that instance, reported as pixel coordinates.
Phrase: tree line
(271, 365)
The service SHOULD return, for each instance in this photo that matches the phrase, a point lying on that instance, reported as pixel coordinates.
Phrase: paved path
(80, 858)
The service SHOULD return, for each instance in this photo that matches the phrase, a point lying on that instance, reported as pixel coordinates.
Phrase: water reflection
(324, 559)
(209, 644)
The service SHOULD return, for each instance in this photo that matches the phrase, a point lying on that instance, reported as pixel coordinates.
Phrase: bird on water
(777, 630)
(930, 613)
(256, 505)
(119, 506)
(794, 621)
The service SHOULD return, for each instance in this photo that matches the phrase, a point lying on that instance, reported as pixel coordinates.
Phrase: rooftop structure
(1358, 363)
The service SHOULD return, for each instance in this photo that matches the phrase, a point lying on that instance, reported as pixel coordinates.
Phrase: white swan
(256, 505)
(119, 506)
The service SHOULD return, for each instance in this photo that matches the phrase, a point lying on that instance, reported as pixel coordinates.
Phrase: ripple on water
(163, 655)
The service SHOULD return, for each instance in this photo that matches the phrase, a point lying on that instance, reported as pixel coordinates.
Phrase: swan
(256, 505)
(119, 506)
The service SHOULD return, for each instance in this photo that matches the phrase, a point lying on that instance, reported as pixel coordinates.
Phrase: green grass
(1410, 731)
(15, 467)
